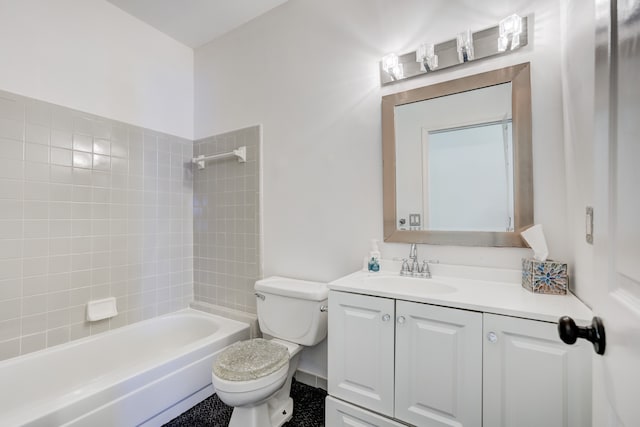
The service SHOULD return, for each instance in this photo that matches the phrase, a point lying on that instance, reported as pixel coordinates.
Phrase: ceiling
(196, 22)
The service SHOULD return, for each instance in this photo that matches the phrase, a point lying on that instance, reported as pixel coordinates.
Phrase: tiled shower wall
(227, 222)
(89, 208)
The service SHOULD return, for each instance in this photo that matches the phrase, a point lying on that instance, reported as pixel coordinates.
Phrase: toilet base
(262, 415)
(282, 414)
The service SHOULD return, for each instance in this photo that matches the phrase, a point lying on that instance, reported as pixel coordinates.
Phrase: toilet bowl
(243, 393)
(255, 376)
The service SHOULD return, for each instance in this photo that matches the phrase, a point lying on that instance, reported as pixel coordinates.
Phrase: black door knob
(570, 332)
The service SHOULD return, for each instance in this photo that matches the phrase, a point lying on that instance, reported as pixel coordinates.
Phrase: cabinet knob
(492, 337)
(386, 317)
(570, 332)
(401, 320)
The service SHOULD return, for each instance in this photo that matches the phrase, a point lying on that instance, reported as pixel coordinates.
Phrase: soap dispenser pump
(374, 257)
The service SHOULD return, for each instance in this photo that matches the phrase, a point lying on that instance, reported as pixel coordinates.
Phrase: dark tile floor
(308, 410)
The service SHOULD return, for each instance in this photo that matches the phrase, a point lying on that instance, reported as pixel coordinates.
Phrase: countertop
(489, 290)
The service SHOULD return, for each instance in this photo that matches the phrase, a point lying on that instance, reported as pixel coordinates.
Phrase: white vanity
(468, 347)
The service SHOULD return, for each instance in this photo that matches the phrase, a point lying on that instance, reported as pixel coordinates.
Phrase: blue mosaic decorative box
(545, 277)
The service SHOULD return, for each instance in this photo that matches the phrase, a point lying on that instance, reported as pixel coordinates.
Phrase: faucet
(413, 256)
(415, 269)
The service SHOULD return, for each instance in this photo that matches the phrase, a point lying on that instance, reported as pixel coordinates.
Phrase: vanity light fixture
(501, 39)
(464, 45)
(426, 56)
(391, 65)
(510, 29)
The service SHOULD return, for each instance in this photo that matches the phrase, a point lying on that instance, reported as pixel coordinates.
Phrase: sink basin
(408, 284)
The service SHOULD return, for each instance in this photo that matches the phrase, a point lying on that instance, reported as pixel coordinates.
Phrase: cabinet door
(342, 414)
(361, 337)
(438, 365)
(531, 378)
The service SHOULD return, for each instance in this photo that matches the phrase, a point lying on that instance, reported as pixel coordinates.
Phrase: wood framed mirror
(457, 161)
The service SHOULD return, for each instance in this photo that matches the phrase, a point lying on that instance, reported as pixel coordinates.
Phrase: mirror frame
(519, 76)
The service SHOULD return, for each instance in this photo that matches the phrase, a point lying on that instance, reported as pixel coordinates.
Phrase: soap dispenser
(374, 257)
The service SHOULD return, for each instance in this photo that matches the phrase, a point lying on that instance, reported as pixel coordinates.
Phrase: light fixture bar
(485, 43)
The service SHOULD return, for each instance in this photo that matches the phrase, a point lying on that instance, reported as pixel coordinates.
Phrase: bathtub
(142, 374)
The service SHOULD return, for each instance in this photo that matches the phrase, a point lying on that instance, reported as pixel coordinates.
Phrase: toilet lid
(250, 360)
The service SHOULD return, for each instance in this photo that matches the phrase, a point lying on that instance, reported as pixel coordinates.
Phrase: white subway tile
(61, 174)
(10, 329)
(10, 288)
(102, 146)
(31, 343)
(10, 268)
(57, 336)
(35, 248)
(62, 157)
(11, 149)
(35, 266)
(34, 324)
(37, 133)
(61, 139)
(82, 143)
(35, 210)
(11, 209)
(36, 153)
(10, 309)
(9, 349)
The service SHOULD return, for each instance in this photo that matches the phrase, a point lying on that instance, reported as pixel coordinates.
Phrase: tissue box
(545, 277)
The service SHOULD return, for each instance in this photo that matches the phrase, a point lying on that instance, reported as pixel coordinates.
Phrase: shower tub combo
(142, 374)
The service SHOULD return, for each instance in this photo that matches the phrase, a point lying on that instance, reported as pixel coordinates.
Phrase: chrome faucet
(415, 269)
(413, 256)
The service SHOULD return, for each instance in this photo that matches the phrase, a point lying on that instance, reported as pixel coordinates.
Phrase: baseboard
(311, 379)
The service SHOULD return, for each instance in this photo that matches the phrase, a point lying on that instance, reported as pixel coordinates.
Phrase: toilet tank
(289, 309)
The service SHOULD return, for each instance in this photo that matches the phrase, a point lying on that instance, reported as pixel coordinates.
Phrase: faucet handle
(405, 270)
(424, 269)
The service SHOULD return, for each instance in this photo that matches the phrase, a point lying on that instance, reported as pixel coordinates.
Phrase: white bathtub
(142, 374)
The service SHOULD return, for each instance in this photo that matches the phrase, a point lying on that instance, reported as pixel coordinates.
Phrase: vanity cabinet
(435, 366)
(418, 363)
(361, 355)
(531, 378)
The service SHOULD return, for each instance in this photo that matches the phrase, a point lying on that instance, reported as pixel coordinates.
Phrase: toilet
(254, 376)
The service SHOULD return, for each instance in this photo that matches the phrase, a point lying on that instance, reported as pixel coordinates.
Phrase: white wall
(578, 73)
(308, 71)
(91, 56)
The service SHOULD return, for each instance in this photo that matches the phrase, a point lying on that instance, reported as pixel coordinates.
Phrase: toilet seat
(250, 360)
(272, 381)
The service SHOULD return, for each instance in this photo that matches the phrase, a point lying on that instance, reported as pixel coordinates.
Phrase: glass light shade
(464, 42)
(425, 55)
(389, 62)
(391, 65)
(398, 72)
(510, 28)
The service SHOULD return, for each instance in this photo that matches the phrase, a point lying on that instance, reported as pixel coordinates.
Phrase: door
(616, 236)
(438, 366)
(531, 378)
(361, 339)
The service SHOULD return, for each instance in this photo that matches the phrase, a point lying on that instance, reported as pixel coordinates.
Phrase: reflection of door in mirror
(468, 178)
(457, 157)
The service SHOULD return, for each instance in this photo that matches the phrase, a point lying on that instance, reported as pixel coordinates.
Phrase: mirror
(457, 161)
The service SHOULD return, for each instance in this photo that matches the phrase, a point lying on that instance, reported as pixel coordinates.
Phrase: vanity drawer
(342, 414)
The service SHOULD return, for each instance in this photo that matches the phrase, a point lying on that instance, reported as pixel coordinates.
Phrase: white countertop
(489, 290)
